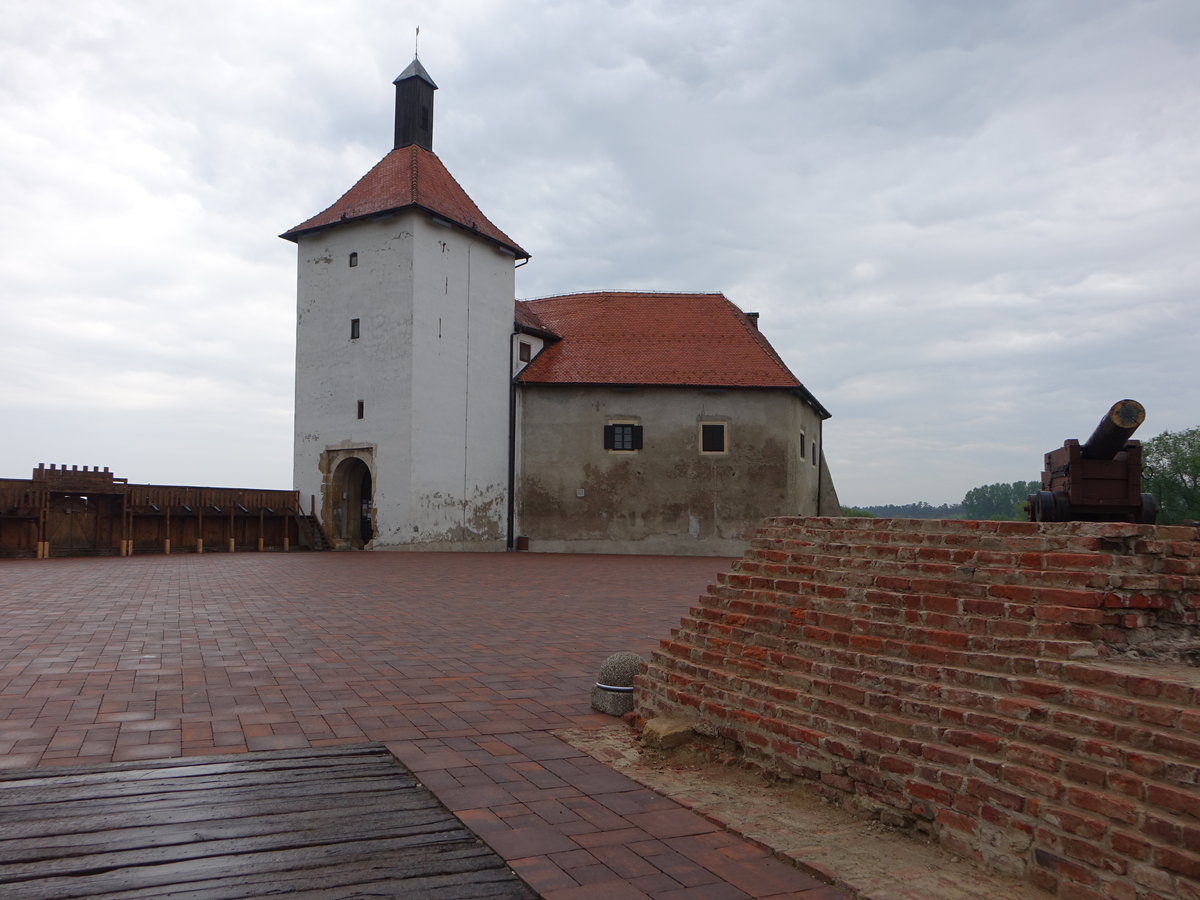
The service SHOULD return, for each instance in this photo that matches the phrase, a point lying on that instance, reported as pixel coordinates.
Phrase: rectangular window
(815, 454)
(361, 408)
(353, 260)
(803, 446)
(354, 330)
(623, 436)
(712, 437)
(524, 351)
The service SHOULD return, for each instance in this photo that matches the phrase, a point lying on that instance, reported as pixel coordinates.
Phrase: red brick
(1073, 823)
(1072, 872)
(1071, 891)
(1105, 805)
(1152, 766)
(957, 821)
(1029, 780)
(1162, 829)
(1172, 860)
(1186, 802)
(1131, 845)
(1083, 773)
(986, 742)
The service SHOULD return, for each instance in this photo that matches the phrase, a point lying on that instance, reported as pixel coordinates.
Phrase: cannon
(1099, 480)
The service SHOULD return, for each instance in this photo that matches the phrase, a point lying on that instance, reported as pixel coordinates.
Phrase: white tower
(403, 325)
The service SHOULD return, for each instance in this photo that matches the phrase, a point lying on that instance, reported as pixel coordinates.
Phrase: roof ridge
(625, 292)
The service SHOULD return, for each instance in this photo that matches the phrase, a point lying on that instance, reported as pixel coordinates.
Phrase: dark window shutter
(608, 436)
(712, 438)
(637, 437)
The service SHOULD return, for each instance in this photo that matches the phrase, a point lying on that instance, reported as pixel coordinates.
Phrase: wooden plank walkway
(345, 821)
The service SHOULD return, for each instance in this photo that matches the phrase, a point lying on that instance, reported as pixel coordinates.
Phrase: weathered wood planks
(333, 822)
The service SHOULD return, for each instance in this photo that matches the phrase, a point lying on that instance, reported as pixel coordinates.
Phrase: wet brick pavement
(461, 663)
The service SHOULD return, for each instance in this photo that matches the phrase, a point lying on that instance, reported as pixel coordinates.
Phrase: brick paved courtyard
(461, 663)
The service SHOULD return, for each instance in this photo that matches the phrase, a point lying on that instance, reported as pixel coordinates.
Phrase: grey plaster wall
(668, 497)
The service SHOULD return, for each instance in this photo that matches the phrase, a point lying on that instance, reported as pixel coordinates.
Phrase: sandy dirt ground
(855, 853)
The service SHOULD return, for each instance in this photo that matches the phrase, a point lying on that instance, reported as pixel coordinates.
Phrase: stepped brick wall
(1019, 692)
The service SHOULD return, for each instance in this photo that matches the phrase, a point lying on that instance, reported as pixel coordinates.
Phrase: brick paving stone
(605, 891)
(538, 840)
(720, 891)
(669, 823)
(541, 874)
(461, 664)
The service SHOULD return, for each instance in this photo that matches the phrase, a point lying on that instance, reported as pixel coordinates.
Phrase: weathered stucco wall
(667, 497)
(1005, 688)
(434, 311)
(462, 323)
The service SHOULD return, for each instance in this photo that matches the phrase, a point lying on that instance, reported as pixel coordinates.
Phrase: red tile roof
(627, 337)
(408, 176)
(526, 319)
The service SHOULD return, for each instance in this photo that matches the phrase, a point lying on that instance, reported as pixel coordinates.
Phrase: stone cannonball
(613, 692)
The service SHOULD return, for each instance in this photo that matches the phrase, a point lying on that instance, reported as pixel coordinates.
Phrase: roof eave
(797, 389)
(295, 234)
(545, 335)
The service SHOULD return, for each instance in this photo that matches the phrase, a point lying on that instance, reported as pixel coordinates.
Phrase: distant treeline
(918, 510)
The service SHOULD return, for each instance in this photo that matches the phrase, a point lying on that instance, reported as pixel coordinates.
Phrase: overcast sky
(969, 227)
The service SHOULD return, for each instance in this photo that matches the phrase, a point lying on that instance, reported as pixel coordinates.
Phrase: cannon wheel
(1149, 512)
(1042, 505)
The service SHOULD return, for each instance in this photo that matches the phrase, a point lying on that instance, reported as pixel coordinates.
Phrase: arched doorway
(353, 496)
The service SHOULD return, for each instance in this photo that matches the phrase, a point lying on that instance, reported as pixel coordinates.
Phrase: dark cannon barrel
(1114, 430)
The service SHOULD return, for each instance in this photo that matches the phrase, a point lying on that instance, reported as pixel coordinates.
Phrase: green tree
(855, 512)
(1171, 472)
(999, 500)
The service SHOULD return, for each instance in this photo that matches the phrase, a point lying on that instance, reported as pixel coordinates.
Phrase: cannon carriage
(1099, 480)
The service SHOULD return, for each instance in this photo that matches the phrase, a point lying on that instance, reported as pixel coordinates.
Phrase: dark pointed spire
(414, 107)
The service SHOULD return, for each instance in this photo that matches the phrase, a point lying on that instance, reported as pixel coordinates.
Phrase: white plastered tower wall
(335, 371)
(404, 319)
(434, 310)
(462, 320)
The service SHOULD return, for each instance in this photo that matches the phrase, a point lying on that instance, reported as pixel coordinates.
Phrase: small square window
(361, 408)
(524, 351)
(353, 260)
(354, 329)
(712, 437)
(623, 437)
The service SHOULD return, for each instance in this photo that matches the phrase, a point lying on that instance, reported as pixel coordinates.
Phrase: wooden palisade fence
(85, 511)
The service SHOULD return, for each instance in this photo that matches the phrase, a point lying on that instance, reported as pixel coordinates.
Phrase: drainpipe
(512, 446)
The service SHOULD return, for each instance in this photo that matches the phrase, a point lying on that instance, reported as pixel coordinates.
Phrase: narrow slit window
(814, 453)
(355, 331)
(361, 408)
(353, 260)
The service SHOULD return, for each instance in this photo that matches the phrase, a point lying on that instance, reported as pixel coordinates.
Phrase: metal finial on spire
(417, 43)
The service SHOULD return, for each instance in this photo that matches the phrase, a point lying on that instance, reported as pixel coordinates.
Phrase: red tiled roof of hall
(526, 319)
(626, 337)
(408, 176)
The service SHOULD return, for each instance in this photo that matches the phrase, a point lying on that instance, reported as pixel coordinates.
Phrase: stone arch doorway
(353, 496)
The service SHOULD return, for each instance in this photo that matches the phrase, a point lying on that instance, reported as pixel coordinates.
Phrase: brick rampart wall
(974, 681)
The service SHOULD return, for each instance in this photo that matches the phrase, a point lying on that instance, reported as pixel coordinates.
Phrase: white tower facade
(403, 327)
